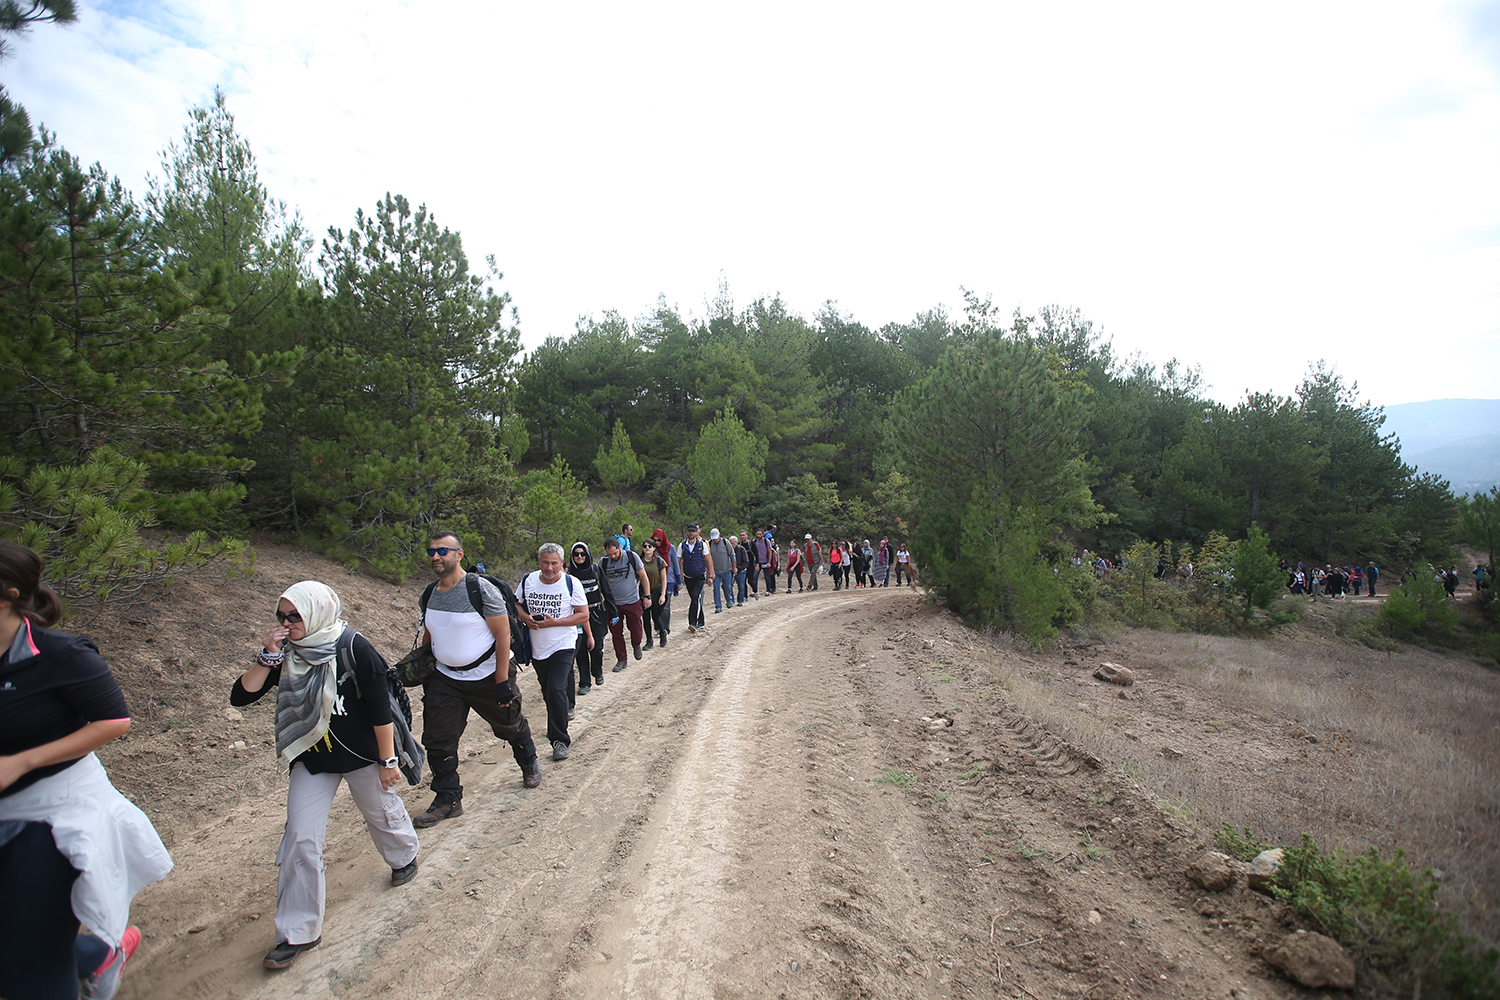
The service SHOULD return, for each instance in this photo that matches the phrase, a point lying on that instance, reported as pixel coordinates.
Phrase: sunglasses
(442, 551)
(289, 616)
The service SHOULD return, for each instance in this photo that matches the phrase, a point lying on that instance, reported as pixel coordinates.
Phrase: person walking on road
(692, 556)
(333, 724)
(812, 558)
(793, 567)
(742, 562)
(721, 553)
(554, 607)
(656, 575)
(588, 655)
(904, 563)
(624, 581)
(72, 848)
(764, 551)
(673, 585)
(471, 642)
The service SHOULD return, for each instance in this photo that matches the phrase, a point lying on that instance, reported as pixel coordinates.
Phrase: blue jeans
(723, 583)
(739, 583)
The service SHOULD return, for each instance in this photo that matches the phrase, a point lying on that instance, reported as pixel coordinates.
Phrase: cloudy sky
(1248, 188)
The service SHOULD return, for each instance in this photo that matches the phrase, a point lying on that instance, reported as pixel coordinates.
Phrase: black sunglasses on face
(289, 616)
(441, 551)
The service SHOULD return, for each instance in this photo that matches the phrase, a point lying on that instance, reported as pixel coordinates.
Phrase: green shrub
(1245, 847)
(1418, 608)
(1387, 916)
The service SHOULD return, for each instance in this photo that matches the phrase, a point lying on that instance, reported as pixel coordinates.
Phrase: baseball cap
(807, 536)
(713, 533)
(693, 526)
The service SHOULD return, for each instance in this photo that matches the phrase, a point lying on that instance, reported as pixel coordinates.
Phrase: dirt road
(758, 810)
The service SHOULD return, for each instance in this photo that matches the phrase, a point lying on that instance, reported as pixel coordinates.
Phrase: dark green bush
(1387, 916)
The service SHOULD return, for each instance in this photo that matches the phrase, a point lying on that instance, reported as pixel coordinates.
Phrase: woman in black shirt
(72, 848)
(333, 723)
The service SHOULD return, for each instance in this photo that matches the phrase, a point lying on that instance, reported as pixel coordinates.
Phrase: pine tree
(617, 465)
(991, 444)
(728, 464)
(406, 384)
(217, 228)
(112, 417)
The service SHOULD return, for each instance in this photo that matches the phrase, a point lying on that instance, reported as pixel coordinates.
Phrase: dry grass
(1406, 750)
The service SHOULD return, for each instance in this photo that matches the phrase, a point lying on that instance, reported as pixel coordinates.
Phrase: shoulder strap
(427, 596)
(343, 649)
(476, 599)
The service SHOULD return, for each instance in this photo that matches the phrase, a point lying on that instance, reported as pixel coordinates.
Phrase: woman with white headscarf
(332, 725)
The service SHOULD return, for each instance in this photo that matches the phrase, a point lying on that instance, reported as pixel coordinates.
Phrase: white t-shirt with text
(555, 601)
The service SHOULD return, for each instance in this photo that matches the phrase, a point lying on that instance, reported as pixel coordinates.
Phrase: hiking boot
(637, 651)
(285, 954)
(648, 644)
(617, 667)
(570, 714)
(533, 777)
(585, 688)
(663, 639)
(102, 983)
(559, 750)
(401, 876)
(716, 611)
(435, 814)
(598, 680)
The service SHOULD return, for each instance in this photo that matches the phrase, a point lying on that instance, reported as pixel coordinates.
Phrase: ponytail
(21, 584)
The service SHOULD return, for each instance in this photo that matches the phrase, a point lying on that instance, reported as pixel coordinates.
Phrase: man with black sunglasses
(469, 643)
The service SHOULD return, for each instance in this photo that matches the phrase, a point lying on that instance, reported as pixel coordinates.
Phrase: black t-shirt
(349, 743)
(52, 694)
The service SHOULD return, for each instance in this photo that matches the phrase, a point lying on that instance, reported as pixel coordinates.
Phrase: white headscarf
(309, 680)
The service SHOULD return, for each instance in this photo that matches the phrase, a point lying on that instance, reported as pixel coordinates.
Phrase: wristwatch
(390, 762)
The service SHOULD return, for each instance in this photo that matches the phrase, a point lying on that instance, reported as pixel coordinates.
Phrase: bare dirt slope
(758, 810)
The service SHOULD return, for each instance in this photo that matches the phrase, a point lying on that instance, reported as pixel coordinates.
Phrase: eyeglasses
(442, 551)
(289, 616)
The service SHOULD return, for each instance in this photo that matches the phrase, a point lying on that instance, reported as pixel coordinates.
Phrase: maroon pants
(626, 613)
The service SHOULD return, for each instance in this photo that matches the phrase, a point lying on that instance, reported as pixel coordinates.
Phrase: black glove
(505, 692)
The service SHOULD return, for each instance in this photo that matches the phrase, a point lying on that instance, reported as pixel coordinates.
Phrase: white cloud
(1251, 190)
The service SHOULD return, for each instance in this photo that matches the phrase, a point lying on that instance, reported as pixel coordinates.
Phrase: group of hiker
(1334, 582)
(74, 852)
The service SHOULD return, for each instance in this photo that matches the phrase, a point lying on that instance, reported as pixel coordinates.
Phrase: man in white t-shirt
(554, 606)
(467, 626)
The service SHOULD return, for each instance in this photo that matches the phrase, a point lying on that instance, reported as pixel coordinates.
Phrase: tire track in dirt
(670, 940)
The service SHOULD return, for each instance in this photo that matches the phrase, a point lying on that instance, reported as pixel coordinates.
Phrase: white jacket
(102, 834)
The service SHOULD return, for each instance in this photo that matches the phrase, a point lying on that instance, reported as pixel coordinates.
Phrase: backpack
(409, 752)
(520, 635)
(633, 563)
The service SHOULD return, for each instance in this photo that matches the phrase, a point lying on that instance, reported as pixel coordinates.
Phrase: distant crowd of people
(1333, 582)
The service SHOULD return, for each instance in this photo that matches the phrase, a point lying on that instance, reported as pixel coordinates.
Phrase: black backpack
(409, 752)
(520, 635)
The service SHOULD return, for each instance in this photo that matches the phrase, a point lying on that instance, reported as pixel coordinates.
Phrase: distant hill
(1458, 439)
